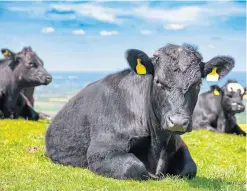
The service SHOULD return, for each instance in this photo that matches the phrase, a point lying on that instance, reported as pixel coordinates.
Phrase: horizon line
(105, 71)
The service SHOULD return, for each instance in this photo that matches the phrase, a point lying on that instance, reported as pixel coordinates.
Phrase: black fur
(22, 70)
(117, 126)
(216, 113)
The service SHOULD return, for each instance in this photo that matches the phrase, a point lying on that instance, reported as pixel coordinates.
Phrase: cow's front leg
(221, 125)
(162, 163)
(181, 163)
(206, 125)
(1, 114)
(29, 113)
(9, 108)
(116, 164)
(238, 130)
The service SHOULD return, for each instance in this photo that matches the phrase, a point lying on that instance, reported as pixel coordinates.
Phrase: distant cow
(128, 124)
(216, 109)
(17, 71)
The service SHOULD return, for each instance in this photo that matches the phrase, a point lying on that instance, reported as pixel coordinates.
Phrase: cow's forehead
(179, 57)
(29, 55)
(171, 49)
(234, 87)
(191, 75)
(178, 78)
(184, 59)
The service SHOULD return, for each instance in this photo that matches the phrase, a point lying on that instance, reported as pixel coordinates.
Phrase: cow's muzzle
(47, 79)
(178, 123)
(238, 107)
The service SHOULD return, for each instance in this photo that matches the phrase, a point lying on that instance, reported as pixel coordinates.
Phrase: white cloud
(92, 10)
(190, 14)
(174, 26)
(47, 30)
(170, 15)
(194, 14)
(145, 32)
(78, 32)
(108, 33)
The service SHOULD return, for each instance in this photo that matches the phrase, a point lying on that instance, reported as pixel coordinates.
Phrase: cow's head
(232, 94)
(177, 75)
(28, 67)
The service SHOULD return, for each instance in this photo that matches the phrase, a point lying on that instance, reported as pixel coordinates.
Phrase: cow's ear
(7, 53)
(216, 90)
(10, 55)
(217, 68)
(244, 95)
(139, 61)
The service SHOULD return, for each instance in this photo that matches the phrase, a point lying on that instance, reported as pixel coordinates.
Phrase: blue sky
(93, 36)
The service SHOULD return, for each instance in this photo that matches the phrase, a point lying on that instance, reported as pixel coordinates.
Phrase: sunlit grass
(24, 166)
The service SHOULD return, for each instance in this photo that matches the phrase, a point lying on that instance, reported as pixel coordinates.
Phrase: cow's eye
(31, 64)
(229, 95)
(156, 59)
(162, 85)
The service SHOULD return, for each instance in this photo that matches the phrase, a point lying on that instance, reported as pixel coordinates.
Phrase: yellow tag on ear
(216, 92)
(6, 53)
(140, 69)
(213, 76)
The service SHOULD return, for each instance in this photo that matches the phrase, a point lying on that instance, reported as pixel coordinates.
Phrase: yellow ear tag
(6, 53)
(216, 92)
(245, 95)
(213, 76)
(140, 69)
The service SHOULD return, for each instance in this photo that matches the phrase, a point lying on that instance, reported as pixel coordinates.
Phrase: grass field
(220, 158)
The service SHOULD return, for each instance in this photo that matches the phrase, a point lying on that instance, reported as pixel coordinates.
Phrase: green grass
(220, 159)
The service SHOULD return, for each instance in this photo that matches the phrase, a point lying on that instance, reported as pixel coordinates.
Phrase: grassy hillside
(24, 166)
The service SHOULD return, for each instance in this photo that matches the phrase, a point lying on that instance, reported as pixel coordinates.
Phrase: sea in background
(50, 99)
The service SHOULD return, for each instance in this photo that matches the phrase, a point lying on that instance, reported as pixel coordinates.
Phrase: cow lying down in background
(128, 124)
(216, 109)
(17, 71)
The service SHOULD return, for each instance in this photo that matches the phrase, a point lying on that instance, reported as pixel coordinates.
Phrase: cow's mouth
(178, 129)
(237, 108)
(179, 132)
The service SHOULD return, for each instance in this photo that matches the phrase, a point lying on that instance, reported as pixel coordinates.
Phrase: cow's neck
(159, 137)
(13, 90)
(229, 120)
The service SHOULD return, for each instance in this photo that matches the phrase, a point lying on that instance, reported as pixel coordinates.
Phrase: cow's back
(68, 133)
(207, 108)
(107, 105)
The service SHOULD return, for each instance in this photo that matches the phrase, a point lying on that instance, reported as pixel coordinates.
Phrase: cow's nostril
(170, 120)
(241, 107)
(185, 122)
(177, 123)
(48, 78)
(178, 120)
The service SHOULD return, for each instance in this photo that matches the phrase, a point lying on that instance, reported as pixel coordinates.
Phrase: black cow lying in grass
(128, 124)
(17, 71)
(216, 109)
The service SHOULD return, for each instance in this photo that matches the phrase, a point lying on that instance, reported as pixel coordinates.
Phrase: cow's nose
(241, 107)
(48, 79)
(177, 123)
